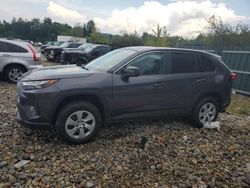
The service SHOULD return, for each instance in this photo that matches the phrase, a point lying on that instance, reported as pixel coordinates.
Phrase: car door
(183, 81)
(142, 95)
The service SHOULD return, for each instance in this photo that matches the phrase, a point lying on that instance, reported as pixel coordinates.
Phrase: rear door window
(205, 64)
(183, 62)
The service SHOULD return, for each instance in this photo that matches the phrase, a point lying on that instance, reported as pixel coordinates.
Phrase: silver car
(16, 58)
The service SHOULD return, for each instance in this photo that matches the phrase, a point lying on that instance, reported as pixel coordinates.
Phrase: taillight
(35, 58)
(233, 76)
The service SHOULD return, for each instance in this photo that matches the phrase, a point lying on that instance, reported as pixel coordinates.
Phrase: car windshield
(64, 45)
(84, 46)
(89, 48)
(106, 62)
(58, 43)
(49, 43)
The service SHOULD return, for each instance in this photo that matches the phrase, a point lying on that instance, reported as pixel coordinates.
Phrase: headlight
(52, 52)
(30, 85)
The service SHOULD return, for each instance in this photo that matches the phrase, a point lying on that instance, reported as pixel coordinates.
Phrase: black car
(49, 44)
(83, 54)
(128, 83)
(53, 53)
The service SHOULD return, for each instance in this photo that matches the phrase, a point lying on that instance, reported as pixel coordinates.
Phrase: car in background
(126, 84)
(16, 58)
(53, 53)
(83, 55)
(48, 44)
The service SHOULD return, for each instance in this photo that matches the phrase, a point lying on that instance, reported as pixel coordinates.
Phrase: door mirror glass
(131, 72)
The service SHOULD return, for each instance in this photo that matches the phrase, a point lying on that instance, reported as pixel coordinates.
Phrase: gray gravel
(141, 154)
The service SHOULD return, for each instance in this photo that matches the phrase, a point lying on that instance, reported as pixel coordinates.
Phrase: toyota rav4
(125, 84)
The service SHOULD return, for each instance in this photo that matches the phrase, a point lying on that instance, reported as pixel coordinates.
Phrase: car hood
(56, 72)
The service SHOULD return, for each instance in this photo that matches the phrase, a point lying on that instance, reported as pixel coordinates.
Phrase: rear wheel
(78, 122)
(13, 73)
(205, 111)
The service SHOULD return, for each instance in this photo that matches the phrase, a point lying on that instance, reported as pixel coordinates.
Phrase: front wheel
(78, 122)
(205, 111)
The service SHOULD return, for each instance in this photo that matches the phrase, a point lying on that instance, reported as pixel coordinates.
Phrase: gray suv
(17, 57)
(125, 84)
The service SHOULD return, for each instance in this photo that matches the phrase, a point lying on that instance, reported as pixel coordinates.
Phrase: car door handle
(202, 81)
(159, 84)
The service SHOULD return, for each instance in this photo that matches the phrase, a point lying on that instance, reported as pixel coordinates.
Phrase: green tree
(99, 38)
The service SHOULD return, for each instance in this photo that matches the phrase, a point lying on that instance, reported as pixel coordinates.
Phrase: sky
(180, 17)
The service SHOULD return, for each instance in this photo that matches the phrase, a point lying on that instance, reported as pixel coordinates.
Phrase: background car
(84, 54)
(53, 53)
(48, 44)
(17, 57)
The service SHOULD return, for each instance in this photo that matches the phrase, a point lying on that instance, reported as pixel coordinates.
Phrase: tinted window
(101, 50)
(205, 64)
(149, 64)
(3, 47)
(7, 47)
(16, 49)
(73, 45)
(183, 62)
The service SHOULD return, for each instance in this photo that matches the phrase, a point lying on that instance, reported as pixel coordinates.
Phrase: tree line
(217, 34)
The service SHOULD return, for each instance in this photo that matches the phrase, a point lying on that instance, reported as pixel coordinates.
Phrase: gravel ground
(142, 154)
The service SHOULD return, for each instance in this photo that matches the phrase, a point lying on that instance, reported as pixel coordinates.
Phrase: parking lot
(166, 153)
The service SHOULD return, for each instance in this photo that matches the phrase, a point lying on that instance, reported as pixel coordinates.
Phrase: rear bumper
(226, 102)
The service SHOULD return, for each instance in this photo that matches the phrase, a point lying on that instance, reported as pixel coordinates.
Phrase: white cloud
(181, 17)
(186, 18)
(63, 14)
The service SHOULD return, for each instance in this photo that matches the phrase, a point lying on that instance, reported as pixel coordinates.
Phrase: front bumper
(49, 56)
(31, 125)
(35, 107)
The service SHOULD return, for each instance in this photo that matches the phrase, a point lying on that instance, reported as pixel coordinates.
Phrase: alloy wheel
(80, 124)
(207, 113)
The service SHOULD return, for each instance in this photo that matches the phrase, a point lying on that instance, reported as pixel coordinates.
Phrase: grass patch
(240, 105)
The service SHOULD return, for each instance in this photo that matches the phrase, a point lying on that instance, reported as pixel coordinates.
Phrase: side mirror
(131, 72)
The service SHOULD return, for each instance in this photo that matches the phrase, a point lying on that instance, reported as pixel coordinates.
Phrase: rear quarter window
(205, 64)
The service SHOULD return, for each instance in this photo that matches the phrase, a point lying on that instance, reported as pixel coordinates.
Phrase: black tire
(9, 71)
(57, 59)
(196, 113)
(66, 113)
